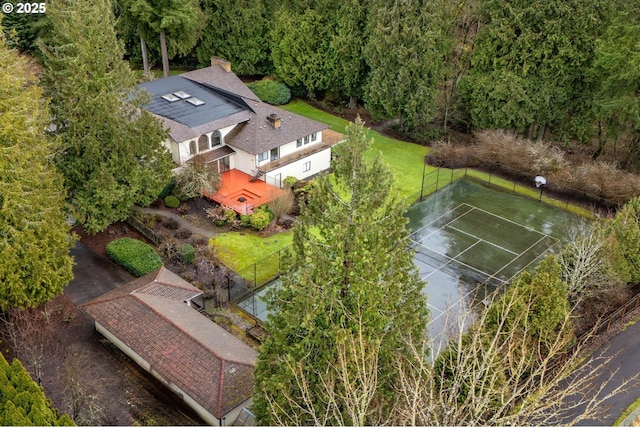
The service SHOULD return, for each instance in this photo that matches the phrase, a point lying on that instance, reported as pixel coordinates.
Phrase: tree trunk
(145, 58)
(165, 56)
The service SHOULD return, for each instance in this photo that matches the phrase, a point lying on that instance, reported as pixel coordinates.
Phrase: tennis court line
(450, 260)
(504, 219)
(442, 216)
(485, 241)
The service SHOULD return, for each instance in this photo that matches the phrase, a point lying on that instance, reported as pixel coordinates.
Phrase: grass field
(403, 158)
(241, 250)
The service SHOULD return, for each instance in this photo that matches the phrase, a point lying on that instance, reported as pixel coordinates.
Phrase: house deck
(241, 193)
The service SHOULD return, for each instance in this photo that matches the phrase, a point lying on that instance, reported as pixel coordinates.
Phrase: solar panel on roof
(169, 97)
(182, 94)
(195, 101)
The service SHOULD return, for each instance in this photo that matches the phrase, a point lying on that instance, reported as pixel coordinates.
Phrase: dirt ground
(86, 376)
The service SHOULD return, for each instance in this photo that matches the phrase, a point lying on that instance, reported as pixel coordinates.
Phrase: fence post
(255, 275)
(514, 186)
(490, 173)
(437, 178)
(451, 181)
(229, 288)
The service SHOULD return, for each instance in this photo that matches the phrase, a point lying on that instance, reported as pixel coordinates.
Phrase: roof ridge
(187, 334)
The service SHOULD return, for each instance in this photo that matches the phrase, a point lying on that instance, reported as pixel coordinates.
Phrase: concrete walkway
(183, 222)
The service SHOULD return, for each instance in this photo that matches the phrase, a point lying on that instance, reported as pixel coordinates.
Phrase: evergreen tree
(238, 32)
(407, 47)
(302, 54)
(532, 65)
(617, 100)
(111, 150)
(348, 42)
(22, 401)
(352, 282)
(177, 22)
(34, 246)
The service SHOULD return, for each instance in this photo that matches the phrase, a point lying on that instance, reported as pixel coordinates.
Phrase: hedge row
(135, 256)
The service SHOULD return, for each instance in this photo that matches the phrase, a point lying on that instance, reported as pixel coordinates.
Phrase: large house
(214, 118)
(152, 321)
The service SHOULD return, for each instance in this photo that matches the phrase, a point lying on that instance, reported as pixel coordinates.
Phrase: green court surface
(469, 239)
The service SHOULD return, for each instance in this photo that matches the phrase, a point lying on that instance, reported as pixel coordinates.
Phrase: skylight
(182, 94)
(169, 97)
(195, 101)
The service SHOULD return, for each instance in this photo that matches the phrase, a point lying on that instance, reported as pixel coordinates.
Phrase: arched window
(192, 148)
(203, 143)
(216, 139)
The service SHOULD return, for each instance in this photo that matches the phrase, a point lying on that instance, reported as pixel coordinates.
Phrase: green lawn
(241, 250)
(404, 158)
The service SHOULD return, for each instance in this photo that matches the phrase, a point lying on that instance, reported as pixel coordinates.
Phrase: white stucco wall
(320, 161)
(180, 151)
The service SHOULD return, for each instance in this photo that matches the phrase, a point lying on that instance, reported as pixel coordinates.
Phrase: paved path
(183, 222)
(624, 350)
(93, 275)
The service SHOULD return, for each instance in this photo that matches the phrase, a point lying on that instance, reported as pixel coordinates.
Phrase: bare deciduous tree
(31, 334)
(478, 379)
(586, 265)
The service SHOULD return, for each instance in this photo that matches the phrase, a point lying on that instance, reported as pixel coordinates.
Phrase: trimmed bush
(271, 92)
(187, 254)
(260, 219)
(135, 256)
(171, 202)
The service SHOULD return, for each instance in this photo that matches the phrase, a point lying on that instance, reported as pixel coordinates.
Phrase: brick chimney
(274, 120)
(226, 65)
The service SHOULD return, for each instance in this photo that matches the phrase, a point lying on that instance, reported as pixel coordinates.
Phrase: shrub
(187, 254)
(289, 181)
(245, 220)
(229, 215)
(170, 224)
(260, 219)
(171, 202)
(624, 238)
(282, 205)
(168, 188)
(271, 92)
(135, 256)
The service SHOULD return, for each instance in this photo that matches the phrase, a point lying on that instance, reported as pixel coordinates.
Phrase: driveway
(93, 276)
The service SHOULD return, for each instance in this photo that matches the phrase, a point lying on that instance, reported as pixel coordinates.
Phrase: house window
(192, 148)
(203, 143)
(216, 139)
(299, 142)
(306, 140)
(263, 156)
(275, 154)
(306, 166)
(314, 137)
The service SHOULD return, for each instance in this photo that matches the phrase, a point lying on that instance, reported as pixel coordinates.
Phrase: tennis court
(469, 239)
(468, 252)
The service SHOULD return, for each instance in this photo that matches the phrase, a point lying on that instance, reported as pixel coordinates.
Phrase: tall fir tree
(407, 47)
(531, 66)
(35, 240)
(352, 280)
(111, 150)
(238, 32)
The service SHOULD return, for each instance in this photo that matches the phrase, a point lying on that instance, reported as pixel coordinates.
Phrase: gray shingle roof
(228, 101)
(258, 135)
(149, 315)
